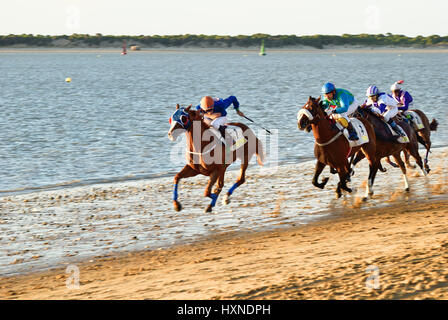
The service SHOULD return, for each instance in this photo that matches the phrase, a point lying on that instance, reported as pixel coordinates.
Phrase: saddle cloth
(238, 139)
(416, 121)
(404, 139)
(234, 138)
(360, 130)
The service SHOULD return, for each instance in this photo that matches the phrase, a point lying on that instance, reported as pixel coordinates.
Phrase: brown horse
(423, 137)
(333, 149)
(208, 156)
(386, 144)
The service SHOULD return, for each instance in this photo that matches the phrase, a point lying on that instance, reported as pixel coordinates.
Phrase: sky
(225, 17)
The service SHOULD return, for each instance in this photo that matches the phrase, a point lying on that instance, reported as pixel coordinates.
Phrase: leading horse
(208, 156)
(333, 149)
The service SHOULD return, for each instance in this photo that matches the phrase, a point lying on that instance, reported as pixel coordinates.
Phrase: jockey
(341, 103)
(379, 102)
(215, 113)
(403, 98)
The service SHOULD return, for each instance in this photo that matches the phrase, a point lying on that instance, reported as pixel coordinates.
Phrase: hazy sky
(232, 17)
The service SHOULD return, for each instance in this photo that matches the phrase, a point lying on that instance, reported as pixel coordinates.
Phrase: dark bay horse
(423, 137)
(386, 144)
(206, 154)
(332, 148)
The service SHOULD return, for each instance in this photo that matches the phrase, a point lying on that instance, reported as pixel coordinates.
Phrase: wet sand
(279, 238)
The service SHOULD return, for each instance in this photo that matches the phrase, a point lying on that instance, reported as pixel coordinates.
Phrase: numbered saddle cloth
(360, 130)
(416, 121)
(237, 137)
(400, 139)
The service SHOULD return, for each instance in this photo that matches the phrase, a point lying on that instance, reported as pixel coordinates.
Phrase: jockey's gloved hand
(239, 113)
(329, 111)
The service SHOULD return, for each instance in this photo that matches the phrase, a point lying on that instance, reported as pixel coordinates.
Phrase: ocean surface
(110, 122)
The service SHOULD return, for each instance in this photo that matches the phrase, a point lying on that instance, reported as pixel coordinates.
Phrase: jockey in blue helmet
(341, 104)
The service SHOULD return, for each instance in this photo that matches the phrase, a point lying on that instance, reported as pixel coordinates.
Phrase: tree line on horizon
(316, 41)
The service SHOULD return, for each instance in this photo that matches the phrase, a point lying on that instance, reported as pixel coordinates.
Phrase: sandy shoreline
(329, 259)
(293, 49)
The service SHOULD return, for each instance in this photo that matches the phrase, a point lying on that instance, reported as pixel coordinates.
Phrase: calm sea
(110, 122)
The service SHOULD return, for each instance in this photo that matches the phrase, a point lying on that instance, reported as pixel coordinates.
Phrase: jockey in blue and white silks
(215, 113)
(383, 104)
(403, 98)
(341, 103)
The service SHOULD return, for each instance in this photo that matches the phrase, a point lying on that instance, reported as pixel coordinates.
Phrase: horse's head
(309, 113)
(181, 121)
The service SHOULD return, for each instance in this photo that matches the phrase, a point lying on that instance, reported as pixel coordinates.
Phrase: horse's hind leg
(402, 166)
(391, 163)
(240, 181)
(424, 138)
(186, 172)
(406, 160)
(415, 154)
(317, 171)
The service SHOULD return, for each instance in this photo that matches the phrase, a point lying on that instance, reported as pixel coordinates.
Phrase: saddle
(232, 137)
(415, 119)
(395, 135)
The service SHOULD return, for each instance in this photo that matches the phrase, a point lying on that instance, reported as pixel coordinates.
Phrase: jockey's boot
(396, 128)
(222, 130)
(352, 132)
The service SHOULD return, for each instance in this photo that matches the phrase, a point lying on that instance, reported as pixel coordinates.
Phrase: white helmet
(396, 85)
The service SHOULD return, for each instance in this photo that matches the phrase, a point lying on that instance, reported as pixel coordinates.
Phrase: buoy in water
(68, 79)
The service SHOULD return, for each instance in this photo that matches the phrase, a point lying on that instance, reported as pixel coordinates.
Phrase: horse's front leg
(208, 190)
(343, 178)
(317, 171)
(186, 172)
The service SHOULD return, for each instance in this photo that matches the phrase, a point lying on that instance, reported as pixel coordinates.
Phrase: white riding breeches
(216, 123)
(390, 113)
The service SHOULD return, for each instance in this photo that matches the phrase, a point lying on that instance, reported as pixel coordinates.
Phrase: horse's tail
(261, 156)
(433, 125)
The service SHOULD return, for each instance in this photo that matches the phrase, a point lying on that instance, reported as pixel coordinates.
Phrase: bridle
(318, 116)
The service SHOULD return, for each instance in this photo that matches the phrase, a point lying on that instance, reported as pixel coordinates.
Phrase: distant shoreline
(299, 49)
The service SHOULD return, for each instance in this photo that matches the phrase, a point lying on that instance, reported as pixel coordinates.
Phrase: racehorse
(423, 137)
(386, 144)
(333, 149)
(210, 158)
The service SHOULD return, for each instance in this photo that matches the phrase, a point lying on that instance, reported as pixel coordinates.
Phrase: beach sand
(405, 247)
(394, 246)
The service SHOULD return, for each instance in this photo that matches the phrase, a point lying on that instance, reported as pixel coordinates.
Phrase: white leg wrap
(406, 182)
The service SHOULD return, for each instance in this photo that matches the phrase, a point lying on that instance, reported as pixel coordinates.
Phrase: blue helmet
(372, 91)
(327, 88)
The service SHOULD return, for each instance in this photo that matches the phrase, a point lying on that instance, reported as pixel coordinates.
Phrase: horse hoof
(226, 199)
(407, 190)
(177, 206)
(208, 209)
(364, 199)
